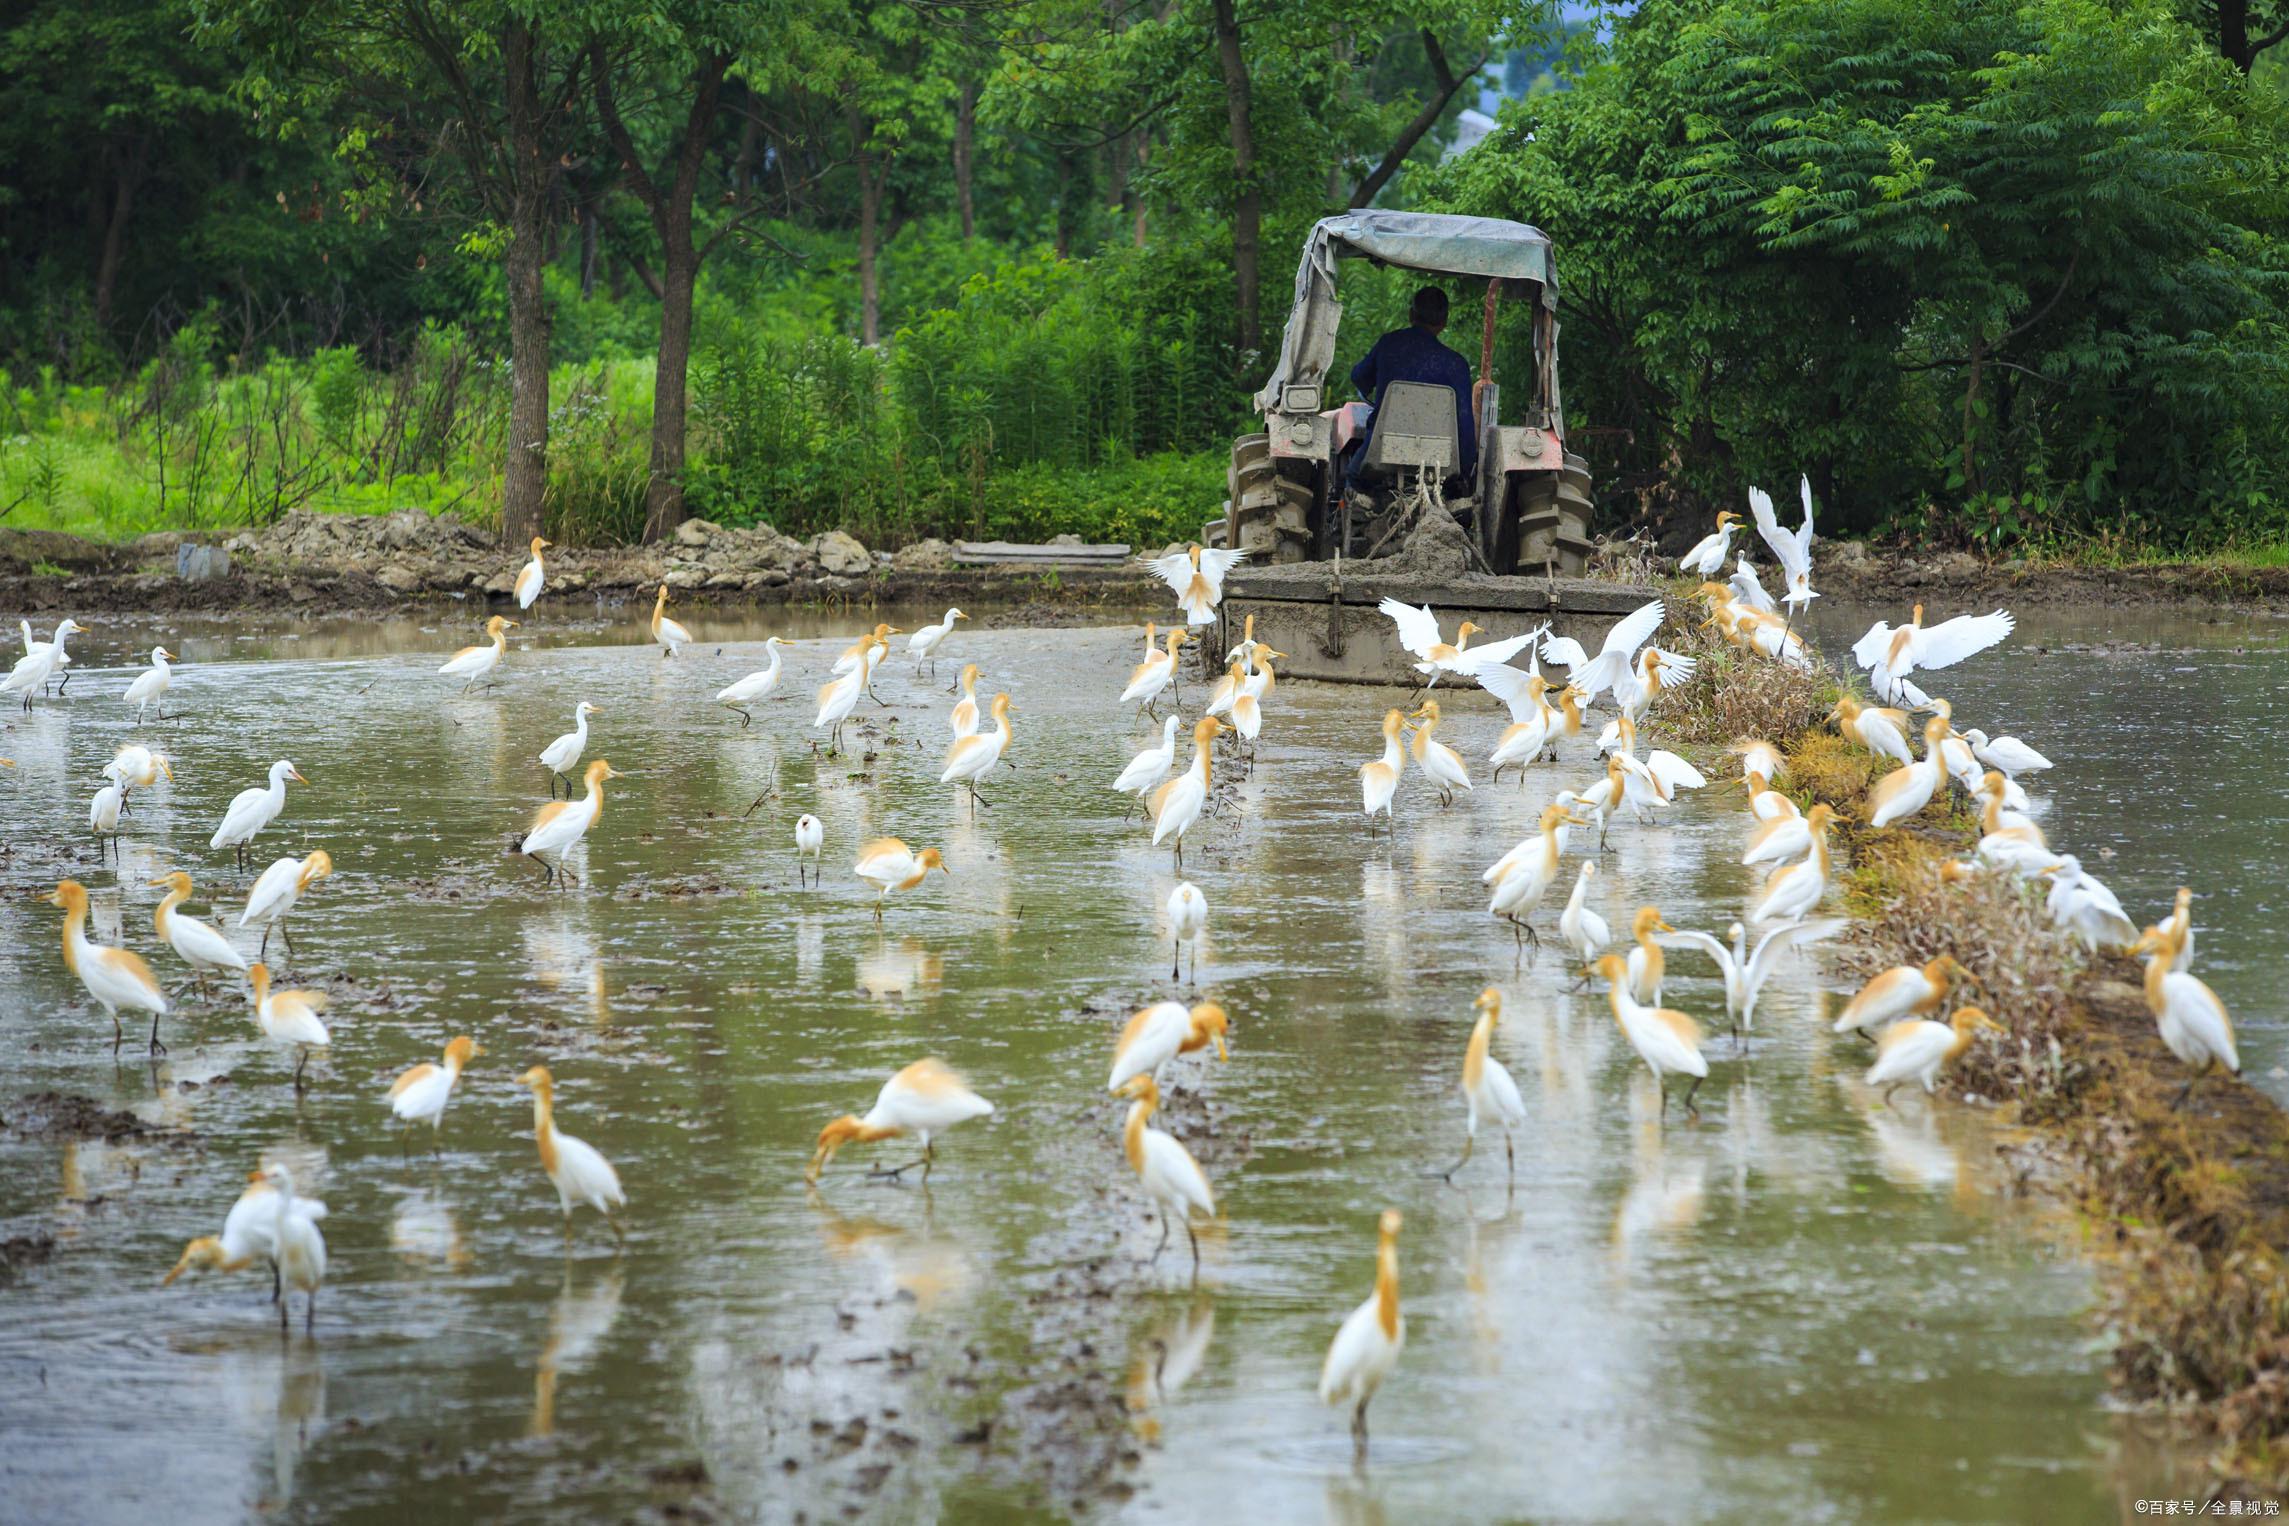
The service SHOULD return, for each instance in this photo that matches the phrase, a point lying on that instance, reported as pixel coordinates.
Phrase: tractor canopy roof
(1431, 242)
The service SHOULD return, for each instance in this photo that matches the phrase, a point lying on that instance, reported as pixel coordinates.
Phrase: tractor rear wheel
(1269, 513)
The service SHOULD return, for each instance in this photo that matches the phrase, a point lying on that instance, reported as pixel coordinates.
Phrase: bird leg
(1359, 1433)
(1895, 1086)
(1469, 1143)
(745, 719)
(299, 1066)
(1510, 1155)
(1176, 968)
(1195, 1239)
(893, 1173)
(1690, 1110)
(156, 1046)
(263, 952)
(1163, 1245)
(115, 1033)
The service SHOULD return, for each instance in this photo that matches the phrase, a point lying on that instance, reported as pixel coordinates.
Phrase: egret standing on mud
(923, 644)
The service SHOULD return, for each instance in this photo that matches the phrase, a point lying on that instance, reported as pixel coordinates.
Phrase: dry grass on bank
(1733, 695)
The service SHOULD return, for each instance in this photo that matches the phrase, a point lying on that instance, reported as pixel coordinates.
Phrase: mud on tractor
(1527, 509)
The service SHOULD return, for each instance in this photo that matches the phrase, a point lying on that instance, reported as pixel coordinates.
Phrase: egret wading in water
(1746, 973)
(250, 1234)
(420, 1092)
(1155, 673)
(478, 662)
(924, 1100)
(1532, 870)
(1581, 925)
(1368, 1343)
(755, 687)
(42, 661)
(1666, 1040)
(973, 757)
(1151, 766)
(534, 575)
(115, 977)
(1187, 919)
(1902, 991)
(923, 644)
(669, 633)
(889, 865)
(558, 826)
(562, 756)
(964, 716)
(577, 1169)
(1915, 1052)
(1177, 804)
(1487, 1091)
(810, 842)
(838, 697)
(150, 686)
(1160, 1033)
(103, 818)
(298, 1249)
(289, 1018)
(195, 943)
(1171, 1177)
(1440, 764)
(253, 809)
(1379, 780)
(277, 891)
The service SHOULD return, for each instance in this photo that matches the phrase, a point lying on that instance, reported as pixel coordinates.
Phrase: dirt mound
(65, 1115)
(1436, 548)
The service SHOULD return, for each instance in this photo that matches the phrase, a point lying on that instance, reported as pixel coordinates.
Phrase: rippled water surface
(1802, 1304)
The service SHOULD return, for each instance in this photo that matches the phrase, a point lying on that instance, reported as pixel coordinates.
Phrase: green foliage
(2010, 270)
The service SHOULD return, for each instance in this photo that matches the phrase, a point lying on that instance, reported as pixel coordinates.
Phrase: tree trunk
(1424, 120)
(965, 148)
(524, 474)
(869, 239)
(664, 495)
(2233, 32)
(1247, 207)
(127, 179)
(588, 241)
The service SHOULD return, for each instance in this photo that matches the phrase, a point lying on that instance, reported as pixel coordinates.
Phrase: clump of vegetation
(1734, 694)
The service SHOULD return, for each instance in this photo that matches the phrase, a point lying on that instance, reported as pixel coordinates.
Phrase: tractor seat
(1414, 428)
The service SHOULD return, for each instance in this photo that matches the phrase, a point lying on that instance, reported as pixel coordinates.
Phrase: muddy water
(1800, 1303)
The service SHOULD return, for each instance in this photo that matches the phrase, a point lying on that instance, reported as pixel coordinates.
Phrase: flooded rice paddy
(1801, 1303)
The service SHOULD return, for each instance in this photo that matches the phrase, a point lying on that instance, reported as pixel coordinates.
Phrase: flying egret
(534, 574)
(115, 977)
(1890, 654)
(558, 826)
(1187, 919)
(755, 687)
(1791, 548)
(1745, 973)
(925, 1099)
(1197, 575)
(150, 686)
(1171, 1177)
(562, 756)
(1367, 1344)
(1592, 677)
(1418, 631)
(577, 1169)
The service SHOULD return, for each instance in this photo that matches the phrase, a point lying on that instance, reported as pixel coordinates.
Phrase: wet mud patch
(20, 1253)
(67, 1115)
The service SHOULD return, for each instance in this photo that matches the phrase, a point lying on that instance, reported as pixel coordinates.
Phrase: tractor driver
(1415, 354)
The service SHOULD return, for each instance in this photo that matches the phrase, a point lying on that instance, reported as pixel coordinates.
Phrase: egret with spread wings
(1197, 575)
(1890, 653)
(1419, 633)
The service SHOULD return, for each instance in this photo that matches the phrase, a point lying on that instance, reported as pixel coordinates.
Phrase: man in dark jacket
(1415, 354)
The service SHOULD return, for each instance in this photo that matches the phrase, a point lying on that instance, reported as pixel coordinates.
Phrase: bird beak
(168, 769)
(161, 880)
(1221, 1052)
(819, 1159)
(1579, 822)
(512, 624)
(1663, 927)
(293, 773)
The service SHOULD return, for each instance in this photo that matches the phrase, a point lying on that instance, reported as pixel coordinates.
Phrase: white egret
(2006, 755)
(1890, 654)
(669, 633)
(1171, 1177)
(562, 756)
(889, 865)
(1150, 766)
(2079, 902)
(1791, 548)
(289, 1018)
(115, 977)
(558, 826)
(1367, 1344)
(577, 1169)
(1379, 780)
(1155, 673)
(1197, 575)
(1158, 1034)
(925, 1099)
(1916, 1051)
(532, 577)
(1591, 677)
(2193, 1022)
(964, 719)
(810, 842)
(755, 687)
(924, 643)
(196, 944)
(1440, 764)
(476, 662)
(1580, 924)
(1707, 558)
(253, 809)
(1903, 991)
(276, 891)
(42, 661)
(1487, 1090)
(150, 686)
(1745, 973)
(1418, 632)
(420, 1092)
(969, 760)
(1794, 892)
(1667, 1041)
(1177, 804)
(1187, 919)
(299, 1250)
